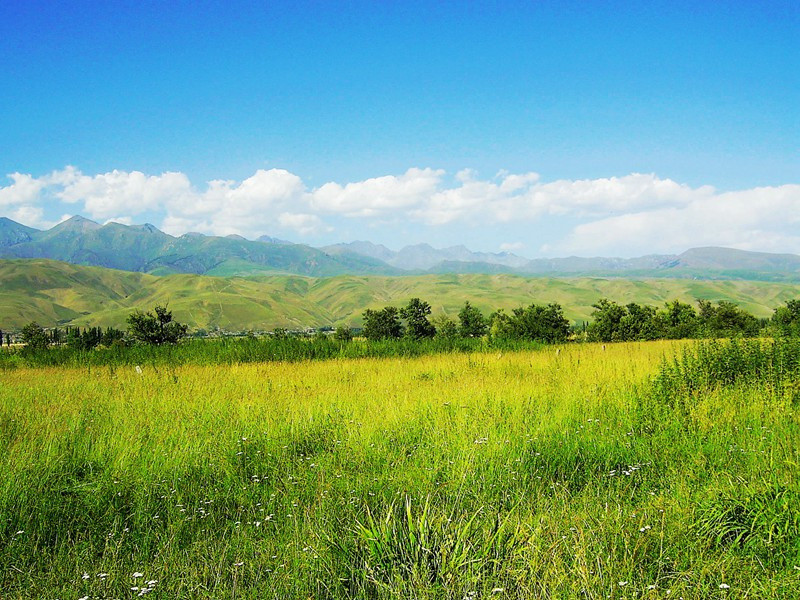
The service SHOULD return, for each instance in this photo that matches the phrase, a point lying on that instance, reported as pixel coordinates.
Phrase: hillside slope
(52, 292)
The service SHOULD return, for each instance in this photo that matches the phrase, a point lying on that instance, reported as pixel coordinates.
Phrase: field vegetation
(658, 469)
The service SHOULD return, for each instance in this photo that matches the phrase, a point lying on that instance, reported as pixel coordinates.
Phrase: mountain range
(146, 249)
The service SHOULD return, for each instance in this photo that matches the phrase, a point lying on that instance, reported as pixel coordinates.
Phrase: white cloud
(512, 247)
(634, 214)
(379, 195)
(120, 220)
(109, 194)
(757, 219)
(302, 223)
(24, 189)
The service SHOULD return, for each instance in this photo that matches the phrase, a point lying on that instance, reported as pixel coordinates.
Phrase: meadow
(636, 470)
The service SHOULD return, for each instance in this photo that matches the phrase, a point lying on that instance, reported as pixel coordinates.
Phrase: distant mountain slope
(424, 257)
(12, 233)
(714, 258)
(144, 248)
(52, 292)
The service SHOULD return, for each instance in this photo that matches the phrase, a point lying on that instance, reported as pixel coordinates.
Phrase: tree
(472, 323)
(726, 320)
(34, 337)
(540, 323)
(446, 328)
(638, 323)
(787, 318)
(680, 319)
(416, 315)
(606, 324)
(382, 324)
(155, 328)
(343, 334)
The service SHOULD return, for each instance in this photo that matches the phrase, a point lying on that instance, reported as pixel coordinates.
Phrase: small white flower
(623, 583)
(724, 586)
(498, 590)
(136, 575)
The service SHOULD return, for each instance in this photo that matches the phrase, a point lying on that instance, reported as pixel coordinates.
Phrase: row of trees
(156, 328)
(614, 322)
(610, 322)
(543, 323)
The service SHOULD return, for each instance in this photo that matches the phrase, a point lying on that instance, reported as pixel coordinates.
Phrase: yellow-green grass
(53, 293)
(550, 474)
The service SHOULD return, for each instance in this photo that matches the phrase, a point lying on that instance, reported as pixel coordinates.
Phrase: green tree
(34, 337)
(606, 324)
(786, 319)
(382, 324)
(471, 322)
(726, 319)
(155, 327)
(343, 334)
(445, 327)
(416, 315)
(540, 323)
(679, 320)
(638, 323)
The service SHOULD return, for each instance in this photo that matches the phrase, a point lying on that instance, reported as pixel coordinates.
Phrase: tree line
(542, 323)
(611, 322)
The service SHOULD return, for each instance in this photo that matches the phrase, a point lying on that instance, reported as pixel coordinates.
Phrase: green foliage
(416, 315)
(533, 323)
(34, 337)
(607, 321)
(472, 323)
(445, 327)
(711, 364)
(155, 328)
(726, 320)
(382, 324)
(343, 334)
(786, 319)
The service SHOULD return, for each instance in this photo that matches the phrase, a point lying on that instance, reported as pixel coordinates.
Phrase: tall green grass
(458, 475)
(249, 350)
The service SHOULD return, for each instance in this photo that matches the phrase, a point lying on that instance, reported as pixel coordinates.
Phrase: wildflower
(136, 575)
(724, 586)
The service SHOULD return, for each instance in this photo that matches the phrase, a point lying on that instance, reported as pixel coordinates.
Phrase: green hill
(52, 292)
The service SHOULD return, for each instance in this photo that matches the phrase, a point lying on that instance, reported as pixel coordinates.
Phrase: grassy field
(569, 472)
(52, 292)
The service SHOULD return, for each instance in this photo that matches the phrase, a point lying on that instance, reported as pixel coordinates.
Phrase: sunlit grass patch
(513, 474)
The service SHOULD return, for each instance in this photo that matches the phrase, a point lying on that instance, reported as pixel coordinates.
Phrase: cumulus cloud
(24, 189)
(512, 246)
(379, 195)
(108, 194)
(633, 214)
(758, 219)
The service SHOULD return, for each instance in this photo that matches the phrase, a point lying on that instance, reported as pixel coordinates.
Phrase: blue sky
(649, 126)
